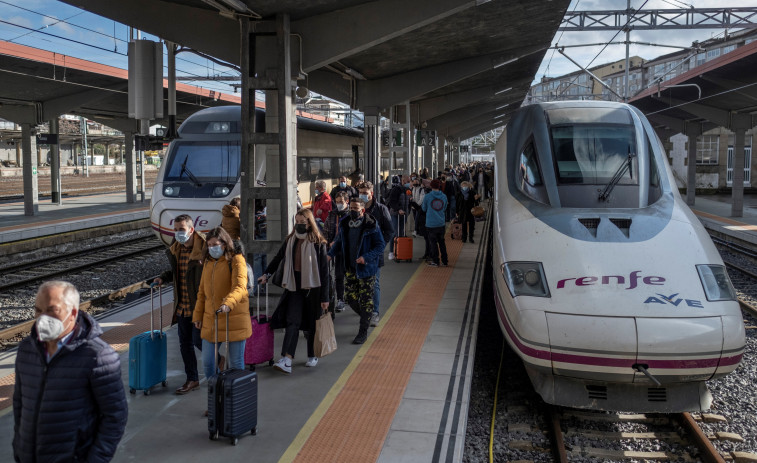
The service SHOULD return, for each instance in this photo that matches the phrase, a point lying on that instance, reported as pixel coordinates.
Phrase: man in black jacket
(185, 257)
(380, 214)
(69, 402)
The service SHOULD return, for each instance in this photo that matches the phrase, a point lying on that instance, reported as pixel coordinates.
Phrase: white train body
(591, 292)
(209, 141)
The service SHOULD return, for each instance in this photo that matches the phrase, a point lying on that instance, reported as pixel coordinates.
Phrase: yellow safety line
(299, 441)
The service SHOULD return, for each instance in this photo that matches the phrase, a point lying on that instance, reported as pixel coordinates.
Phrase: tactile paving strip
(117, 337)
(356, 424)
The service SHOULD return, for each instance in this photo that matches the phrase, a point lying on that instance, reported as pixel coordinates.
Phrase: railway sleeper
(744, 457)
(668, 436)
(608, 454)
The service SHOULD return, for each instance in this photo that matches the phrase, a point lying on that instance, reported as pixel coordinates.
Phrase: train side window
(655, 190)
(315, 168)
(326, 167)
(302, 169)
(529, 167)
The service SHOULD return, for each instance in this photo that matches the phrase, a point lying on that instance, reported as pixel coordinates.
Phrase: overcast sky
(84, 35)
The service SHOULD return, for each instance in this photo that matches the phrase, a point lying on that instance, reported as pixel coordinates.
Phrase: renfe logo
(198, 222)
(633, 280)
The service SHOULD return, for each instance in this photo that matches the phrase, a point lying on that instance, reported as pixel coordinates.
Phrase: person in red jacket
(322, 202)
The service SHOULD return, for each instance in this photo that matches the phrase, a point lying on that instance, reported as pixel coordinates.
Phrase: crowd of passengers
(63, 368)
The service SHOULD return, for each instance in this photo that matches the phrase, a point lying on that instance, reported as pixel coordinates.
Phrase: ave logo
(673, 300)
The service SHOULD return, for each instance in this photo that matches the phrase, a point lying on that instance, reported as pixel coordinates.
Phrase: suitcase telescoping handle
(266, 301)
(215, 357)
(152, 309)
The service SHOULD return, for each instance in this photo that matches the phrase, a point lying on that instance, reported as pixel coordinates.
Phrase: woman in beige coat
(223, 290)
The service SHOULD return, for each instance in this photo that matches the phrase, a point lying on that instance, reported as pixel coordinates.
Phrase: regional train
(606, 284)
(201, 169)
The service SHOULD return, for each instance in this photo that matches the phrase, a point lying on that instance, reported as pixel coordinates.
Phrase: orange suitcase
(403, 247)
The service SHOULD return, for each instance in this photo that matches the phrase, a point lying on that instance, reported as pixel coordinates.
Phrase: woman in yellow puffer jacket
(223, 289)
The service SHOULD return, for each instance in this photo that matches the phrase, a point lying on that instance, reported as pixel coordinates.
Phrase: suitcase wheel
(164, 384)
(234, 440)
(254, 431)
(147, 392)
(270, 363)
(213, 436)
(132, 390)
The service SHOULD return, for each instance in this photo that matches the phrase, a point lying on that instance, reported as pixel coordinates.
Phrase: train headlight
(221, 191)
(171, 191)
(717, 286)
(525, 279)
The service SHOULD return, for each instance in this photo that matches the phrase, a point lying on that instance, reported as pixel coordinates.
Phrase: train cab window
(529, 179)
(204, 162)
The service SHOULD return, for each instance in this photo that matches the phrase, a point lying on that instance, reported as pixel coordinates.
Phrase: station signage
(426, 138)
(47, 139)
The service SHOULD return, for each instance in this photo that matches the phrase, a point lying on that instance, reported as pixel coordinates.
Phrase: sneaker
(432, 264)
(360, 338)
(391, 256)
(415, 235)
(312, 361)
(470, 240)
(284, 364)
(375, 319)
(339, 306)
(444, 265)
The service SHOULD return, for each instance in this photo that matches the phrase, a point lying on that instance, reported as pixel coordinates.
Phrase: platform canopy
(719, 93)
(464, 64)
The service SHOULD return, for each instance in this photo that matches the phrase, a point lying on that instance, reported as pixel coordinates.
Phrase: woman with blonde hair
(301, 269)
(223, 289)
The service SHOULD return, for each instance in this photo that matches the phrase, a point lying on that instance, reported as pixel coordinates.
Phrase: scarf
(356, 223)
(465, 194)
(309, 276)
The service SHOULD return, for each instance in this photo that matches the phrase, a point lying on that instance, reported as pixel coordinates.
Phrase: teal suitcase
(148, 354)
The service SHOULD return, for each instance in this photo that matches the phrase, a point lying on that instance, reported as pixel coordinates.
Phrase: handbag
(325, 339)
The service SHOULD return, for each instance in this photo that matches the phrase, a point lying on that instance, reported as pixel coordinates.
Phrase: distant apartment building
(714, 147)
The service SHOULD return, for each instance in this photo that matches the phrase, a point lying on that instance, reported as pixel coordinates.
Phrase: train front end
(605, 282)
(200, 173)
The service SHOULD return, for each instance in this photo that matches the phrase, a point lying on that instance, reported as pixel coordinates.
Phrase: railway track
(29, 273)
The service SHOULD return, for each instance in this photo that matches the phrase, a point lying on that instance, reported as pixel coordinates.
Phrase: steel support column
(55, 185)
(31, 190)
(131, 168)
(372, 143)
(693, 130)
(737, 188)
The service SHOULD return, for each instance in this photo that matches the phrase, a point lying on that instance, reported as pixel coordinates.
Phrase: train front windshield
(592, 154)
(204, 162)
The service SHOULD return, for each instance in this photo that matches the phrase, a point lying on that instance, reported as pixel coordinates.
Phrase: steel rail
(709, 454)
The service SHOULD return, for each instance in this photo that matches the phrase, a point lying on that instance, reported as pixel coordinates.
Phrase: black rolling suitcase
(232, 400)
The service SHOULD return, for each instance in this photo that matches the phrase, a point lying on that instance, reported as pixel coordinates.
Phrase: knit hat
(395, 180)
(436, 184)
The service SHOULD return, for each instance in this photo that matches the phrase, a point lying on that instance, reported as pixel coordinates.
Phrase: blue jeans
(235, 358)
(376, 292)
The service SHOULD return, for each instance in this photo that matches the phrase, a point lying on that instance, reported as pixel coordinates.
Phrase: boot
(362, 334)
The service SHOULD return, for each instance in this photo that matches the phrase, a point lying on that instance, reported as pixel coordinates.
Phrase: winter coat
(224, 285)
(434, 205)
(322, 202)
(73, 408)
(380, 214)
(194, 270)
(398, 200)
(230, 221)
(330, 230)
(315, 296)
(371, 246)
(417, 197)
(464, 206)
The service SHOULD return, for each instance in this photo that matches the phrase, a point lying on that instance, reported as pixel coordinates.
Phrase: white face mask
(341, 206)
(182, 236)
(50, 328)
(215, 251)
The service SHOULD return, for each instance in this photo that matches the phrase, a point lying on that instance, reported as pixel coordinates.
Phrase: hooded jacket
(371, 246)
(72, 408)
(434, 205)
(380, 214)
(224, 284)
(194, 270)
(230, 221)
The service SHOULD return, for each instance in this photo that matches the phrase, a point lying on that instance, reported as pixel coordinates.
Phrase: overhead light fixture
(511, 60)
(500, 116)
(503, 91)
(355, 74)
(502, 107)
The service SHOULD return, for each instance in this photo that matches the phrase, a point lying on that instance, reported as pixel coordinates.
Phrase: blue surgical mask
(215, 251)
(182, 236)
(341, 206)
(343, 184)
(407, 185)
(465, 189)
(365, 198)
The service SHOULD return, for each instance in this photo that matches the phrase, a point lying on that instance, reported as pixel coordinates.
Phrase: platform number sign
(426, 138)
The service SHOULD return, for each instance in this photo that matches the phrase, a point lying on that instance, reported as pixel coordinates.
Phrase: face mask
(182, 236)
(407, 185)
(341, 206)
(318, 192)
(465, 189)
(354, 215)
(49, 328)
(301, 228)
(365, 198)
(343, 184)
(215, 251)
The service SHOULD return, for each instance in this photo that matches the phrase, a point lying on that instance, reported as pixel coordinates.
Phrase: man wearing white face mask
(185, 257)
(69, 402)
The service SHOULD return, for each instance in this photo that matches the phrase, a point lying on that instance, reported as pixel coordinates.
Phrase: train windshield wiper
(626, 166)
(189, 173)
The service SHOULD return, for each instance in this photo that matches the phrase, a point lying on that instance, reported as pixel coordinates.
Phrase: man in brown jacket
(185, 257)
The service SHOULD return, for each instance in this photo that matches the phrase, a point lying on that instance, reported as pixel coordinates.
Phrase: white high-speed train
(606, 284)
(201, 169)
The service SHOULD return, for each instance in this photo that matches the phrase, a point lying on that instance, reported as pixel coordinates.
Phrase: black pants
(295, 304)
(469, 225)
(189, 338)
(436, 237)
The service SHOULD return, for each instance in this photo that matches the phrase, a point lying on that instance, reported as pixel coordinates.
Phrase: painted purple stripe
(670, 364)
(162, 232)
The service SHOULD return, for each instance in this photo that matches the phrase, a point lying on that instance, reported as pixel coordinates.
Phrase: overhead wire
(546, 71)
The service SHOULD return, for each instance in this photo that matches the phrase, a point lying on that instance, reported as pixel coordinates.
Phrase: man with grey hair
(68, 402)
(321, 203)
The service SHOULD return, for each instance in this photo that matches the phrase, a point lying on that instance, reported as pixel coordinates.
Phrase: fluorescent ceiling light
(503, 91)
(502, 107)
(511, 60)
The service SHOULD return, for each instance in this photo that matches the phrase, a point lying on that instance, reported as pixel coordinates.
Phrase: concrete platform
(426, 414)
(715, 214)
